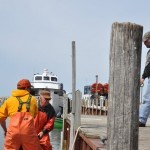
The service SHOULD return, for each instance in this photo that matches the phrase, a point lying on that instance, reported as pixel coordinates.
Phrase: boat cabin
(46, 81)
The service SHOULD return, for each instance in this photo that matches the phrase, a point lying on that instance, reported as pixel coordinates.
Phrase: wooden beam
(124, 86)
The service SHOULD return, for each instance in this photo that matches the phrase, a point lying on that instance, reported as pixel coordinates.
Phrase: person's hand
(40, 135)
(142, 81)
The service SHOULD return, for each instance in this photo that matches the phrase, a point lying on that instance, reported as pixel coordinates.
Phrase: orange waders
(21, 130)
(45, 142)
(40, 121)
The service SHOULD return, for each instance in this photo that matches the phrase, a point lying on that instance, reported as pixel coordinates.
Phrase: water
(1, 138)
(55, 137)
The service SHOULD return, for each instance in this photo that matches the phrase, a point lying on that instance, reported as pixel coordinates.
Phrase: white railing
(95, 106)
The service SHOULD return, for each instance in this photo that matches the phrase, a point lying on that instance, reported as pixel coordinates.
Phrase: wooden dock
(87, 132)
(95, 127)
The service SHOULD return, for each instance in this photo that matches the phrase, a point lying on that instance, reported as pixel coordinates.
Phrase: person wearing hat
(44, 121)
(22, 108)
(145, 106)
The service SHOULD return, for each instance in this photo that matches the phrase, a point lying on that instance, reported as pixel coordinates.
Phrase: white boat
(49, 81)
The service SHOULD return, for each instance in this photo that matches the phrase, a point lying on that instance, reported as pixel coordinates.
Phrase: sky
(36, 34)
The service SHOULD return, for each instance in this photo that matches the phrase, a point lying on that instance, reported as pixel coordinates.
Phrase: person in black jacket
(44, 120)
(145, 106)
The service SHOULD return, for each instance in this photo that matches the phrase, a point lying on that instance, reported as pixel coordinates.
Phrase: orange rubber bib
(21, 131)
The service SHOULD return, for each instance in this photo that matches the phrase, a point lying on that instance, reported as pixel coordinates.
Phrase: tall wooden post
(73, 76)
(77, 121)
(65, 112)
(72, 130)
(96, 95)
(124, 86)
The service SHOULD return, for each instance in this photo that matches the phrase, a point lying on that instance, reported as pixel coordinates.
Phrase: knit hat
(146, 36)
(24, 83)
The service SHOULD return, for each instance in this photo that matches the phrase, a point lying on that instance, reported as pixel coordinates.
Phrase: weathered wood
(65, 112)
(72, 130)
(73, 76)
(96, 94)
(65, 106)
(97, 129)
(124, 86)
(77, 121)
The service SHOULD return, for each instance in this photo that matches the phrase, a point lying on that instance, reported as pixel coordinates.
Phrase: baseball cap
(45, 94)
(146, 36)
(24, 83)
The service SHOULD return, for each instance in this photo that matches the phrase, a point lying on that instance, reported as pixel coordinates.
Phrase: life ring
(97, 88)
(105, 86)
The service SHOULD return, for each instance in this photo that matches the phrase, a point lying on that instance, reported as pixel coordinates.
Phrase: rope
(72, 148)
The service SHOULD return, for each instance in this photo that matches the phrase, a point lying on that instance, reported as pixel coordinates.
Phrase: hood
(19, 93)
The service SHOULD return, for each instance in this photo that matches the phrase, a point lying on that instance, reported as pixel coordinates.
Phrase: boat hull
(58, 124)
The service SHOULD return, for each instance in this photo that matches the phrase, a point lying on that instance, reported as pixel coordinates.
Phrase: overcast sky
(37, 34)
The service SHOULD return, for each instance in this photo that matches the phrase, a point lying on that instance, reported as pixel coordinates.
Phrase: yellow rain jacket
(21, 131)
(10, 106)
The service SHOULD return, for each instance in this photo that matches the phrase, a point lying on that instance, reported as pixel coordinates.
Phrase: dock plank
(94, 127)
(144, 137)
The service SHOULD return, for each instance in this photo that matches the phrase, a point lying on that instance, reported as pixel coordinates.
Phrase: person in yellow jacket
(21, 107)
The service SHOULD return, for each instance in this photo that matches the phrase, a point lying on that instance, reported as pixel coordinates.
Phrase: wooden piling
(65, 112)
(72, 130)
(96, 94)
(77, 121)
(124, 86)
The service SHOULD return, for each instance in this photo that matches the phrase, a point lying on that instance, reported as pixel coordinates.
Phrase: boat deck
(94, 127)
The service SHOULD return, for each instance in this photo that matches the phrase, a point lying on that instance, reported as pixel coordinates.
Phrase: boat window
(38, 78)
(53, 79)
(46, 78)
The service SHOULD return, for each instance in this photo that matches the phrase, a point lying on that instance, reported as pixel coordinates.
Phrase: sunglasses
(47, 99)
